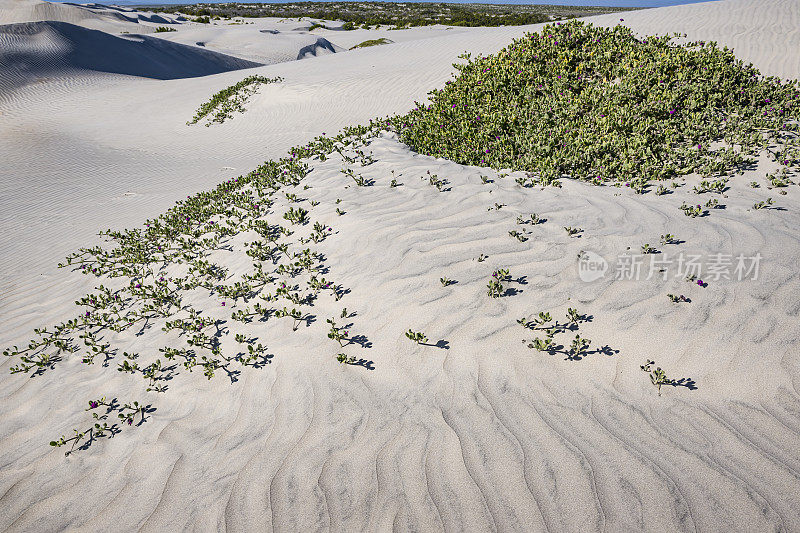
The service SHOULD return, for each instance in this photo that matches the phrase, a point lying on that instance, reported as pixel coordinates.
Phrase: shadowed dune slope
(95, 17)
(38, 50)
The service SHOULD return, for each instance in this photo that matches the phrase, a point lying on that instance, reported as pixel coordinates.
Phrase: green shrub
(600, 104)
(372, 42)
(163, 29)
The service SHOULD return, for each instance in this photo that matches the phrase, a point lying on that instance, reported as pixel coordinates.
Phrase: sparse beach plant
(668, 238)
(336, 333)
(764, 204)
(647, 249)
(295, 314)
(101, 428)
(345, 359)
(573, 316)
(495, 288)
(657, 376)
(692, 210)
(437, 182)
(543, 345)
(518, 235)
(579, 347)
(718, 186)
(417, 336)
(296, 215)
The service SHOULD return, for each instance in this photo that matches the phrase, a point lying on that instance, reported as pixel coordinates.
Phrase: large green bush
(601, 104)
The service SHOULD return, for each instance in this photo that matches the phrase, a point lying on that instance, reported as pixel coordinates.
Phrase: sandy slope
(479, 434)
(93, 16)
(42, 50)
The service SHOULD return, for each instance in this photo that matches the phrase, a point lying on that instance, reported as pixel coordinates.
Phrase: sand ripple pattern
(481, 434)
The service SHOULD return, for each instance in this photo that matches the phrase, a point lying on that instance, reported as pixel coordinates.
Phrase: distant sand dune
(36, 50)
(94, 16)
(264, 45)
(127, 14)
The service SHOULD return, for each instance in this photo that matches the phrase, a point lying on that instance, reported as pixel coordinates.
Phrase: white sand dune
(93, 16)
(40, 50)
(267, 42)
(272, 40)
(480, 433)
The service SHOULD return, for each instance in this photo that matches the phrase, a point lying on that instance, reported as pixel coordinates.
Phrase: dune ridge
(93, 16)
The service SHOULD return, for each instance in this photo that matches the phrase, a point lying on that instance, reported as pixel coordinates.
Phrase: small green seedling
(518, 235)
(647, 249)
(579, 347)
(345, 359)
(657, 377)
(573, 316)
(417, 336)
(668, 238)
(495, 288)
(764, 204)
(542, 345)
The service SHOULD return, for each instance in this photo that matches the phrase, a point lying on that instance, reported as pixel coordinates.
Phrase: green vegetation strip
(397, 15)
(228, 101)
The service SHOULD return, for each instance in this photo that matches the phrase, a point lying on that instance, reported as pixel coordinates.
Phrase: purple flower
(700, 282)
(93, 405)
